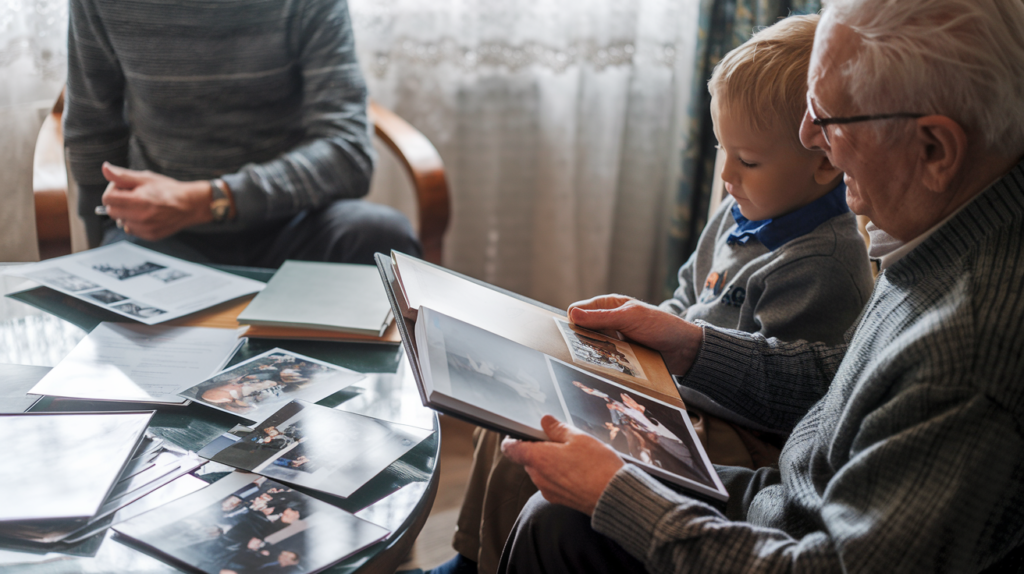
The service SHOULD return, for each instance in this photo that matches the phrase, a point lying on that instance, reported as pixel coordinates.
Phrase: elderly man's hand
(151, 206)
(572, 470)
(678, 340)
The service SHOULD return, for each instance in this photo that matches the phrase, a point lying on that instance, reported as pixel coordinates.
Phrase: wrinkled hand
(678, 340)
(572, 470)
(151, 206)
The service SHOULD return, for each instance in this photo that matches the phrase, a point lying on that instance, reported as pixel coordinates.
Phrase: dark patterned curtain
(724, 24)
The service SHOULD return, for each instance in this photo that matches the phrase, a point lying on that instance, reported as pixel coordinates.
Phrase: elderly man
(914, 458)
(243, 123)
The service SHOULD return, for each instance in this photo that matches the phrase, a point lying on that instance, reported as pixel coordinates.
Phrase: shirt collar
(777, 231)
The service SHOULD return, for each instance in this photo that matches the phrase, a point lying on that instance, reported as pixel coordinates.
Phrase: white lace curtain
(558, 125)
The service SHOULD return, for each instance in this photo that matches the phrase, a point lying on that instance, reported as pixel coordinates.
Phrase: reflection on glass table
(399, 498)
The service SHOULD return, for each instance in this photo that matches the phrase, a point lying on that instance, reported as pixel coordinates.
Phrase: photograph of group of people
(598, 351)
(645, 429)
(260, 386)
(261, 526)
(321, 448)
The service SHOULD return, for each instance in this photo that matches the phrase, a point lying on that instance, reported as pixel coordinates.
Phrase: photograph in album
(637, 426)
(248, 524)
(488, 372)
(599, 352)
(321, 448)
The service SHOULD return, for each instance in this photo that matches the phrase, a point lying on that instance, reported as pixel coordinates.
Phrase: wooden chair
(413, 150)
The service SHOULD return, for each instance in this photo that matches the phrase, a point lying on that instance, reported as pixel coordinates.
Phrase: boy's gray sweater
(812, 288)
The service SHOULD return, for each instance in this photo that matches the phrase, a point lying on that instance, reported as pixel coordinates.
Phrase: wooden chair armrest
(421, 160)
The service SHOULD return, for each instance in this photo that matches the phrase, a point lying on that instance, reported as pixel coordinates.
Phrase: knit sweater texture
(266, 94)
(913, 460)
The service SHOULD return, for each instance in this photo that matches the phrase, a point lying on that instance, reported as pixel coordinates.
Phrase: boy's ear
(825, 172)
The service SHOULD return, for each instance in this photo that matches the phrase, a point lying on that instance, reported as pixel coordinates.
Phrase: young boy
(783, 258)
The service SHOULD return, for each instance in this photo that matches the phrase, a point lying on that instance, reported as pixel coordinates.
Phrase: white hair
(960, 58)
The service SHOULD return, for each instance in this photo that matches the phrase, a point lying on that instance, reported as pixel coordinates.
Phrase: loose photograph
(321, 448)
(494, 373)
(256, 388)
(61, 279)
(138, 310)
(645, 429)
(106, 296)
(598, 351)
(239, 525)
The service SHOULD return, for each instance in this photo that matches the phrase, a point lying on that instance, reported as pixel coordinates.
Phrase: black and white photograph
(106, 296)
(647, 430)
(169, 275)
(598, 351)
(123, 271)
(136, 309)
(256, 388)
(245, 524)
(321, 448)
(495, 374)
(61, 279)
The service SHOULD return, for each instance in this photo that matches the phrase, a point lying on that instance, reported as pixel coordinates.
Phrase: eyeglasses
(825, 122)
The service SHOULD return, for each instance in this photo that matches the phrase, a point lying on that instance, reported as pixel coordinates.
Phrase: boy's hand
(555, 467)
(678, 340)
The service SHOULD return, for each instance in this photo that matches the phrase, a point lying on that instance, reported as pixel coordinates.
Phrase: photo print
(106, 296)
(137, 310)
(241, 525)
(647, 430)
(125, 271)
(321, 448)
(495, 374)
(61, 279)
(169, 275)
(256, 388)
(598, 351)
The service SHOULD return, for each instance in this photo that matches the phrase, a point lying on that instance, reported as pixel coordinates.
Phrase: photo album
(600, 385)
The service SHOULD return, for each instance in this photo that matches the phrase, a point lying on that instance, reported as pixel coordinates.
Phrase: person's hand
(572, 470)
(254, 543)
(678, 340)
(151, 206)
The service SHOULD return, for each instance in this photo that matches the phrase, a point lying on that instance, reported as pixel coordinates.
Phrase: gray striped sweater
(264, 93)
(914, 459)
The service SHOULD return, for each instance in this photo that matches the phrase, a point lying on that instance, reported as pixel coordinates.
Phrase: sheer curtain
(560, 124)
(33, 62)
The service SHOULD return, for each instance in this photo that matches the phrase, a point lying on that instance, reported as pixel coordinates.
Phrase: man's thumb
(556, 430)
(122, 177)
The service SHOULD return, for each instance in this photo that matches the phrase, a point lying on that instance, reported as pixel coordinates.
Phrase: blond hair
(765, 79)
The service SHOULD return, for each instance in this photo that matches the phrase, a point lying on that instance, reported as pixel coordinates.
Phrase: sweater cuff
(250, 200)
(631, 508)
(721, 366)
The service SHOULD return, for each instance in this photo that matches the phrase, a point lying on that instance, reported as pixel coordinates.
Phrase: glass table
(399, 498)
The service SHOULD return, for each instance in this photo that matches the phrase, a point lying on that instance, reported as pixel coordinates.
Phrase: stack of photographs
(320, 448)
(244, 523)
(257, 388)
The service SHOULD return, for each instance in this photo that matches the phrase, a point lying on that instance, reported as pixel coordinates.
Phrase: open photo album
(491, 381)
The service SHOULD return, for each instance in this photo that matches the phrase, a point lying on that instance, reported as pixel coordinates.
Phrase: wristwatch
(220, 204)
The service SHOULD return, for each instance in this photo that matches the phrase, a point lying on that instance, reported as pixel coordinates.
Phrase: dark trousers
(346, 231)
(553, 539)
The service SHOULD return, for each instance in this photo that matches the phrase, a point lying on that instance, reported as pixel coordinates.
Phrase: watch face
(220, 209)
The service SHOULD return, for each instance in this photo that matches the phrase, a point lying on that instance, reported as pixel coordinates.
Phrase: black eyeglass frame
(824, 122)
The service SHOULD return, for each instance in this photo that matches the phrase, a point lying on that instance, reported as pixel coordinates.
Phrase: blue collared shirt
(776, 232)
